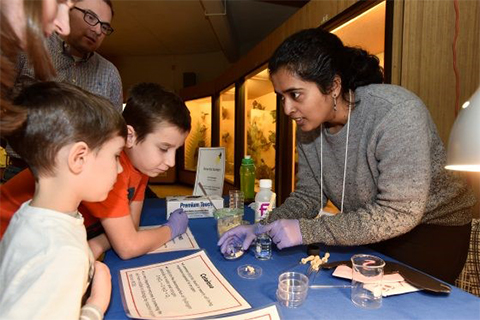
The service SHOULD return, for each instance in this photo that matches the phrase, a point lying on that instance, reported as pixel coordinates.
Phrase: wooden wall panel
(474, 180)
(427, 58)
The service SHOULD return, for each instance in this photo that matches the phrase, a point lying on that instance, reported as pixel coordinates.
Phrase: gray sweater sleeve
(399, 151)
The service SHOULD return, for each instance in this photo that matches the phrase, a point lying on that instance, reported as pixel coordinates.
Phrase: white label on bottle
(261, 210)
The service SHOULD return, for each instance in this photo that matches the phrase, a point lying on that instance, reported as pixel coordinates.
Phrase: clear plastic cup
(292, 289)
(227, 219)
(367, 275)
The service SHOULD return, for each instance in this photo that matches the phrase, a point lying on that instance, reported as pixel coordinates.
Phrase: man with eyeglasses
(75, 57)
(76, 61)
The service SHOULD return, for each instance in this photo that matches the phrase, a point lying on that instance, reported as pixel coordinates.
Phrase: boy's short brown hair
(149, 105)
(60, 114)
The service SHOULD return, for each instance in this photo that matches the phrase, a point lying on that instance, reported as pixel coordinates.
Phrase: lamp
(464, 144)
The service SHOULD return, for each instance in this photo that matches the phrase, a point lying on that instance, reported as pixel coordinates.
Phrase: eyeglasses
(90, 18)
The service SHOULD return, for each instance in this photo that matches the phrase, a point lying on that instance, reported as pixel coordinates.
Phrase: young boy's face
(156, 153)
(104, 168)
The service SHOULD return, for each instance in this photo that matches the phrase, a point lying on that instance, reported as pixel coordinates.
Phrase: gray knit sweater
(395, 174)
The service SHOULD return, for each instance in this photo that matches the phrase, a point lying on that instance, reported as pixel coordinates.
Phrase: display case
(260, 123)
(227, 131)
(201, 132)
(366, 31)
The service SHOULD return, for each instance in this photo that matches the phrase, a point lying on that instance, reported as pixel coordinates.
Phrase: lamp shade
(464, 144)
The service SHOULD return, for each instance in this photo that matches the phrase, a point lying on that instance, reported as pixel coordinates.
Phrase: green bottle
(247, 178)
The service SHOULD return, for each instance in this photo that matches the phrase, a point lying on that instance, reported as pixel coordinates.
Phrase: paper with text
(185, 288)
(185, 241)
(210, 171)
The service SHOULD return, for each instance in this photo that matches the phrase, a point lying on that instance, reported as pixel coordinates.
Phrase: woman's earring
(334, 103)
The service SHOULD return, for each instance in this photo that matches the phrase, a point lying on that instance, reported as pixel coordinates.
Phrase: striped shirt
(94, 73)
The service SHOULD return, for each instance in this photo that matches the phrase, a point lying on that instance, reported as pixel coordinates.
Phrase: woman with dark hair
(24, 26)
(373, 150)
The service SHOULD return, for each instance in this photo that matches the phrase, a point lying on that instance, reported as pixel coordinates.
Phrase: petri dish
(234, 251)
(249, 271)
(234, 254)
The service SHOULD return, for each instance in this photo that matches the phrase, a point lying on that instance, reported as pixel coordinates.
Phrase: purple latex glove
(230, 244)
(244, 234)
(285, 233)
(178, 222)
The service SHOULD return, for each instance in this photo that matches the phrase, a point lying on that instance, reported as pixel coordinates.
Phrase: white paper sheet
(267, 313)
(185, 288)
(184, 241)
(392, 283)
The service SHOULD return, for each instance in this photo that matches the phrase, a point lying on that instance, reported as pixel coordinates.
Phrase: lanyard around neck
(350, 105)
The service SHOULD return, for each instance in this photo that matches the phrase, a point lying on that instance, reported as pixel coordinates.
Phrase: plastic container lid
(247, 160)
(265, 183)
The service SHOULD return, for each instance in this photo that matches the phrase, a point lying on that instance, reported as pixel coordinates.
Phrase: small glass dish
(234, 251)
(249, 271)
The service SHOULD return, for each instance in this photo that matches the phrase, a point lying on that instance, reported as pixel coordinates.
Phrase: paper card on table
(393, 283)
(185, 288)
(267, 313)
(210, 171)
(184, 241)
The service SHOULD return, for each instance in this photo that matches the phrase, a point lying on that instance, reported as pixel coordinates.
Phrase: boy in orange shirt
(158, 123)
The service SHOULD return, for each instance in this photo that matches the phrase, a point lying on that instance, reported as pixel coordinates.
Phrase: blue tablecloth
(331, 303)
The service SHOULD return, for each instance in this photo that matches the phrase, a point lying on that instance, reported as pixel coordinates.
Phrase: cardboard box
(194, 206)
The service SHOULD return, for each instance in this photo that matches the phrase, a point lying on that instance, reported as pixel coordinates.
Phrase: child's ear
(131, 137)
(77, 157)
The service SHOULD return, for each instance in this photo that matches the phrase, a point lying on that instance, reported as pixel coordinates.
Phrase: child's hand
(101, 287)
(178, 223)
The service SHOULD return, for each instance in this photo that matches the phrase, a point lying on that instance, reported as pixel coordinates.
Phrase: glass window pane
(227, 130)
(366, 31)
(200, 135)
(260, 124)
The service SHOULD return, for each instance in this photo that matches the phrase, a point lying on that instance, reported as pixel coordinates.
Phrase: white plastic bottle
(264, 203)
(263, 198)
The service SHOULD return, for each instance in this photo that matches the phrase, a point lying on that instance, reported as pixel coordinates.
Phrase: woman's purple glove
(178, 223)
(285, 233)
(244, 234)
